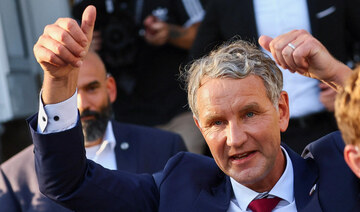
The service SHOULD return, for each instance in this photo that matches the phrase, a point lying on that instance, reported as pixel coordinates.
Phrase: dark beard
(95, 128)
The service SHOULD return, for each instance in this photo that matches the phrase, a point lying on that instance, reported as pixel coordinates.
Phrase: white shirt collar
(109, 136)
(284, 188)
(104, 153)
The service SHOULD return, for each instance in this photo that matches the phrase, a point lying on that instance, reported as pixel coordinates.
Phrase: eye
(250, 114)
(218, 122)
(91, 88)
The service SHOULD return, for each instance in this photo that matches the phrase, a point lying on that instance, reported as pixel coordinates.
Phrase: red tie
(264, 205)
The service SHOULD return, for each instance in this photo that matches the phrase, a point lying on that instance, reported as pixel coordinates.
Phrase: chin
(247, 177)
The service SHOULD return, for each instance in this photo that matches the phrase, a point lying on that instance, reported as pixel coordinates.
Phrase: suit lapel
(306, 193)
(217, 198)
(125, 149)
(314, 23)
(305, 182)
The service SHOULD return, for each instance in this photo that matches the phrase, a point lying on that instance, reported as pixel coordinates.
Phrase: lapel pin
(124, 145)
(312, 190)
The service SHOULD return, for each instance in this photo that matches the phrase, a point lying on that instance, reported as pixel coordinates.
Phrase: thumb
(264, 42)
(88, 22)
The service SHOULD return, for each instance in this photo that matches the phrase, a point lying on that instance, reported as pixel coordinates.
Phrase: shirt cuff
(57, 117)
(195, 19)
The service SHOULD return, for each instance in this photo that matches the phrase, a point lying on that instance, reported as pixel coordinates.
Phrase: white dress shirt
(284, 189)
(276, 17)
(64, 115)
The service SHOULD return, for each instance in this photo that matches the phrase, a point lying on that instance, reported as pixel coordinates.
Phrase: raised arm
(63, 172)
(300, 52)
(59, 51)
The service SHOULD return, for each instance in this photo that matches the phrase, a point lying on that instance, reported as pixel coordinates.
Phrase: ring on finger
(291, 46)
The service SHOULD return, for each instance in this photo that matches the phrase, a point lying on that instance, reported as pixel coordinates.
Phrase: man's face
(242, 129)
(94, 99)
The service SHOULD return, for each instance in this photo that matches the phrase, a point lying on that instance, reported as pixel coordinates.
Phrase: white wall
(5, 107)
(22, 22)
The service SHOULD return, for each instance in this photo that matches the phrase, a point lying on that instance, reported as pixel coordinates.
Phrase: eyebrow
(247, 107)
(93, 83)
(251, 106)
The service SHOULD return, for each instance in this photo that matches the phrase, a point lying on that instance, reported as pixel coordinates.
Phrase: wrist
(341, 73)
(58, 89)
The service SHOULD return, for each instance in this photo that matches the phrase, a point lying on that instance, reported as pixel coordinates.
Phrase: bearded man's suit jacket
(146, 151)
(189, 182)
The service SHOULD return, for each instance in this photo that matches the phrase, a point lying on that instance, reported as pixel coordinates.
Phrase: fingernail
(79, 63)
(82, 54)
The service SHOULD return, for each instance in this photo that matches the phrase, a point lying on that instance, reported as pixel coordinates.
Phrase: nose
(236, 136)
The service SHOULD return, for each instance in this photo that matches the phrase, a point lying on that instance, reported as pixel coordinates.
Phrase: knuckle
(72, 23)
(277, 46)
(51, 57)
(302, 31)
(35, 48)
(58, 48)
(63, 36)
(68, 25)
(285, 52)
(60, 20)
(296, 54)
(47, 28)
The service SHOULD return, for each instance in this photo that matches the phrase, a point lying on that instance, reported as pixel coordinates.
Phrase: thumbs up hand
(59, 51)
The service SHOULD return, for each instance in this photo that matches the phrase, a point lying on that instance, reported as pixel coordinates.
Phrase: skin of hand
(327, 96)
(309, 58)
(59, 51)
(158, 33)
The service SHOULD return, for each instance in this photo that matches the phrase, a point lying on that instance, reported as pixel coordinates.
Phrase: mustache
(86, 113)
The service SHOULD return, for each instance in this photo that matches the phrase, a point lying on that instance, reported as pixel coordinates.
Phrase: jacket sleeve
(66, 176)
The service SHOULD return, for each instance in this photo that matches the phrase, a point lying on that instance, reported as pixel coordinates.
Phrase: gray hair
(236, 60)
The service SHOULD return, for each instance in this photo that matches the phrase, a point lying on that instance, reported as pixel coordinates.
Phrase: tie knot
(264, 205)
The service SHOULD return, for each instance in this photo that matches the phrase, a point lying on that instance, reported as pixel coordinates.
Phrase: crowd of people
(260, 87)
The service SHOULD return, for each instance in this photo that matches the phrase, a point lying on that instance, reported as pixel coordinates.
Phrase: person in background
(309, 99)
(143, 43)
(347, 113)
(239, 106)
(114, 145)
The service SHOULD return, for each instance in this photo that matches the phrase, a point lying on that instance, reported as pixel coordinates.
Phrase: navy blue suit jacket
(189, 182)
(148, 151)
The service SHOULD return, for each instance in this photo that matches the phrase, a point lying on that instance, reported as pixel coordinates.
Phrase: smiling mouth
(242, 156)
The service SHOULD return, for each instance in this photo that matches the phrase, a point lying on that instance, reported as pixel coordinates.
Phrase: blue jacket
(19, 189)
(189, 182)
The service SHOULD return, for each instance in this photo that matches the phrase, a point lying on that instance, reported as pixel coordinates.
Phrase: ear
(111, 88)
(197, 123)
(284, 113)
(352, 158)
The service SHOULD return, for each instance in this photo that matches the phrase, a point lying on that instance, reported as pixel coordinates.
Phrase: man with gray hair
(239, 106)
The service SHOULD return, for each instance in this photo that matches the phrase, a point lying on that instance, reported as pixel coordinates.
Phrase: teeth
(241, 156)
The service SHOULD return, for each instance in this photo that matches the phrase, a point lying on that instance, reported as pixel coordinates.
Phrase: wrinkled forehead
(238, 87)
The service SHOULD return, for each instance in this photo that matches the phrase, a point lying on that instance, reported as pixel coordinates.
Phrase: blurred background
(21, 23)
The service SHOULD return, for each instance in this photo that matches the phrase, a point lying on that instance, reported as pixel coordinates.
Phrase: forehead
(227, 91)
(91, 70)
